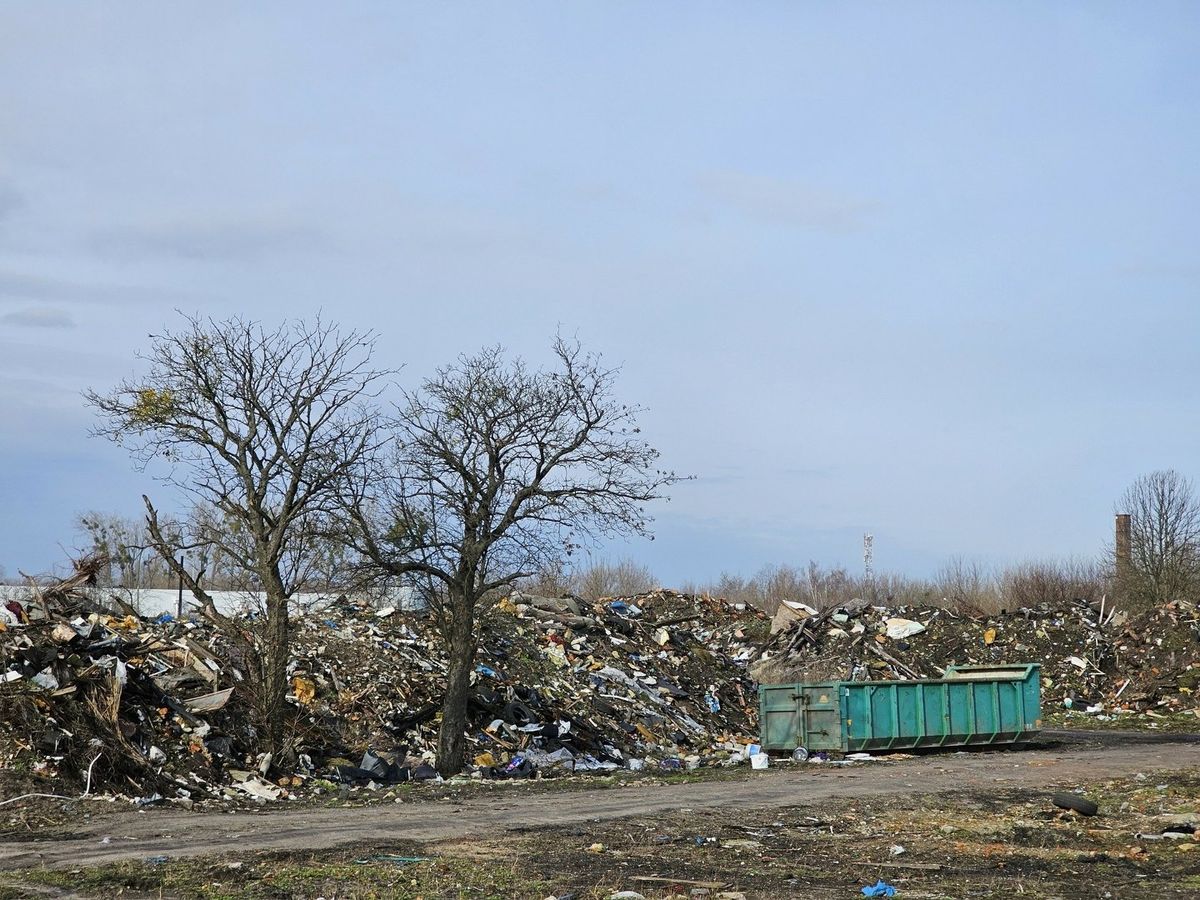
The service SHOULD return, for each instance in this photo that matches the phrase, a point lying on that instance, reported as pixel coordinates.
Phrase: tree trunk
(460, 639)
(273, 690)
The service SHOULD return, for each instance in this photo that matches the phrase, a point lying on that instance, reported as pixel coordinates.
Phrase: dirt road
(519, 808)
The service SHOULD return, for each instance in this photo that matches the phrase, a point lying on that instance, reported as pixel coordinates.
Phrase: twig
(27, 796)
(88, 787)
(678, 620)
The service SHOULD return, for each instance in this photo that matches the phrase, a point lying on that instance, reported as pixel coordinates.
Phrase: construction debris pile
(94, 697)
(1094, 660)
(656, 680)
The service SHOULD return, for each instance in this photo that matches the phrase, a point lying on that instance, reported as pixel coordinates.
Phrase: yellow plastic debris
(305, 689)
(506, 605)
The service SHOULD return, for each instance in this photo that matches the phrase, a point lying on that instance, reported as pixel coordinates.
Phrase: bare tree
(1052, 583)
(266, 427)
(122, 542)
(621, 579)
(969, 586)
(1164, 546)
(502, 472)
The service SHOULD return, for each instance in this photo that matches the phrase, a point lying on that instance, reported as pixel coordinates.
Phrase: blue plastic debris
(879, 889)
(714, 704)
(164, 619)
(393, 859)
(485, 670)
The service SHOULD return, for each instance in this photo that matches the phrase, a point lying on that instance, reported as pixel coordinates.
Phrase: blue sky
(924, 270)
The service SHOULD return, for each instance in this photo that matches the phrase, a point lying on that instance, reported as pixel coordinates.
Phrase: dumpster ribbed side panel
(949, 712)
(973, 705)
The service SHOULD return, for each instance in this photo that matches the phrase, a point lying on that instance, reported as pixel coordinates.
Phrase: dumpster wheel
(800, 754)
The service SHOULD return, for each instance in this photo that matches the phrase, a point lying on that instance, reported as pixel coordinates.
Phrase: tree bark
(273, 690)
(461, 642)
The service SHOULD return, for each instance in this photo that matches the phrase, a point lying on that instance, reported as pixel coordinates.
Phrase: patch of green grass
(123, 876)
(282, 876)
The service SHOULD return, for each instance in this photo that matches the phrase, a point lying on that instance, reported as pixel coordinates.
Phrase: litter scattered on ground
(879, 889)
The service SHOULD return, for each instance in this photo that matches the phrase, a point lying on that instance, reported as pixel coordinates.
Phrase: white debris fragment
(897, 628)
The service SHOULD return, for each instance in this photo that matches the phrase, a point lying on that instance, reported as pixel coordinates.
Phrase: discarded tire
(800, 754)
(1081, 805)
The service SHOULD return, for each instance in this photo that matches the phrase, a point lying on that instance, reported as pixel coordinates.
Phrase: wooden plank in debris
(657, 879)
(887, 657)
(200, 650)
(125, 608)
(201, 668)
(209, 702)
(678, 620)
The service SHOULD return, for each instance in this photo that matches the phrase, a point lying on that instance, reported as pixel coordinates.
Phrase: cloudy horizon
(921, 270)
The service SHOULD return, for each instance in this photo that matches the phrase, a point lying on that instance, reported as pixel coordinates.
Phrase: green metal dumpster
(971, 706)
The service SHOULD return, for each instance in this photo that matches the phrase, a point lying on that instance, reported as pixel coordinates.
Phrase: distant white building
(154, 602)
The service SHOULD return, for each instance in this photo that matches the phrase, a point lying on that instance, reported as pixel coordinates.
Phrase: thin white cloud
(786, 201)
(22, 286)
(208, 239)
(11, 200)
(38, 317)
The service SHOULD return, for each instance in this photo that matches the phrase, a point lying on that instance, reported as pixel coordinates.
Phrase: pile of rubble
(658, 679)
(1094, 659)
(94, 697)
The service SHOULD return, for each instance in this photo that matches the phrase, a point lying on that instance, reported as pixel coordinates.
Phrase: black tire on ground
(1081, 805)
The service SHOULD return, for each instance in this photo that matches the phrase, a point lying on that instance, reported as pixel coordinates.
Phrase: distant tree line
(1162, 564)
(132, 562)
